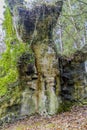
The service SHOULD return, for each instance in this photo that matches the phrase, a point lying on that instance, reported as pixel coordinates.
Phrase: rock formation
(50, 83)
(36, 26)
(39, 81)
(73, 73)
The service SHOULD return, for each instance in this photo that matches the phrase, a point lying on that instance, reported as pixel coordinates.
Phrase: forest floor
(76, 119)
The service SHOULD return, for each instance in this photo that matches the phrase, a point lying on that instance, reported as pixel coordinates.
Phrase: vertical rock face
(48, 86)
(47, 77)
(36, 25)
(80, 76)
(38, 90)
(28, 80)
(74, 77)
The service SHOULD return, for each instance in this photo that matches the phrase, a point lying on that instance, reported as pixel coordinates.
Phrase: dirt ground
(76, 119)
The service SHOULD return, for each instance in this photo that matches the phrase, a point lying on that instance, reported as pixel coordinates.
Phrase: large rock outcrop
(47, 83)
(35, 26)
(73, 73)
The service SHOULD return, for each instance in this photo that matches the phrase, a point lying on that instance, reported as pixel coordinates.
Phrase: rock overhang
(28, 20)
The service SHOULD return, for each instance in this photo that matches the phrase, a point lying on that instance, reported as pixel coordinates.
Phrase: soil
(76, 119)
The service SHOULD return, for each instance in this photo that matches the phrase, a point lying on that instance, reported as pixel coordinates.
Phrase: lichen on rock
(36, 26)
(45, 83)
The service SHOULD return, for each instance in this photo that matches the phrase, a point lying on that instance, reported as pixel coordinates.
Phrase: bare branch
(82, 2)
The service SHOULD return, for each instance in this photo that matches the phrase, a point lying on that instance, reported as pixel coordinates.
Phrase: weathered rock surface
(48, 81)
(36, 26)
(74, 76)
(39, 87)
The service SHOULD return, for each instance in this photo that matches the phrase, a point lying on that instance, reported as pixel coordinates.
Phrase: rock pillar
(35, 25)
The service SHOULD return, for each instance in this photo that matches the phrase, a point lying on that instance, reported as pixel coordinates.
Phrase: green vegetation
(71, 30)
(8, 61)
(65, 106)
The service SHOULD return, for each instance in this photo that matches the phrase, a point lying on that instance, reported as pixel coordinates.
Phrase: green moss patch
(8, 61)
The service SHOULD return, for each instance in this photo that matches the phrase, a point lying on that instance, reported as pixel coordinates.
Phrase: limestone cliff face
(39, 82)
(73, 73)
(36, 26)
(49, 83)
